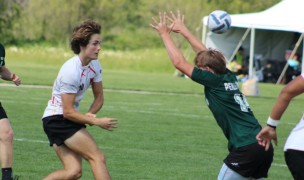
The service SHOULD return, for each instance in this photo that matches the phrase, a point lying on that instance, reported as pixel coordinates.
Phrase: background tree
(9, 12)
(125, 22)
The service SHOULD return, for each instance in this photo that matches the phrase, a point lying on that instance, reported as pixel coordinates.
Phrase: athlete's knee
(74, 173)
(7, 135)
(97, 156)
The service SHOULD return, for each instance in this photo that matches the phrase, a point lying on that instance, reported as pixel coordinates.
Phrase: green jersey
(229, 107)
(2, 55)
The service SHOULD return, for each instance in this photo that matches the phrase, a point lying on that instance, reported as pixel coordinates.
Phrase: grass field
(165, 129)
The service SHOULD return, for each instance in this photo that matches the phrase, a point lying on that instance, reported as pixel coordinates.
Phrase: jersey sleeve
(68, 82)
(205, 78)
(2, 55)
(98, 69)
(66, 88)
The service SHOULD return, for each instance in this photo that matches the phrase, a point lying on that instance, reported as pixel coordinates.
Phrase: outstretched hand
(161, 26)
(266, 135)
(16, 79)
(177, 22)
(107, 123)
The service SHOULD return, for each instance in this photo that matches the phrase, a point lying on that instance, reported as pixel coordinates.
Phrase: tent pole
(239, 44)
(204, 33)
(291, 56)
(251, 56)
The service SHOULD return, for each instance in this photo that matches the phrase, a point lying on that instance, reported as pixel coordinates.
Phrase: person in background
(240, 62)
(293, 69)
(63, 124)
(239, 57)
(6, 131)
(294, 145)
(246, 159)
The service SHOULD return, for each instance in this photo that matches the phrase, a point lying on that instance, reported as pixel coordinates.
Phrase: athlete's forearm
(291, 90)
(5, 74)
(174, 53)
(195, 43)
(98, 101)
(280, 107)
(176, 56)
(96, 105)
(78, 117)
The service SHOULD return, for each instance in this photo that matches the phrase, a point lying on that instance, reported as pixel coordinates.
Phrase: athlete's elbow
(68, 114)
(177, 64)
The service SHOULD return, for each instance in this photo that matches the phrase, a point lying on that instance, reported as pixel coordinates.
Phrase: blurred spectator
(238, 65)
(293, 69)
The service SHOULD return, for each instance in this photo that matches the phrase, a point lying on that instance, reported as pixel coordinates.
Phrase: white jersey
(295, 139)
(72, 78)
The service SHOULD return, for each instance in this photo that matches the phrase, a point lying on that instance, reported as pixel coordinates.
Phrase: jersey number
(241, 100)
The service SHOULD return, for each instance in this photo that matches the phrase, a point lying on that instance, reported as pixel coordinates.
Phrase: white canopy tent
(272, 31)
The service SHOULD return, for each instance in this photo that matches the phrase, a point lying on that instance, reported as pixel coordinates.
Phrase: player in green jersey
(246, 159)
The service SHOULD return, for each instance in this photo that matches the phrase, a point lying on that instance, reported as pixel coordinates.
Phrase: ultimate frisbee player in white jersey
(62, 121)
(294, 146)
(75, 78)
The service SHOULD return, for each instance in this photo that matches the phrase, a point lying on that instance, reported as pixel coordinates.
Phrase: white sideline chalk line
(30, 140)
(106, 90)
(24, 86)
(279, 165)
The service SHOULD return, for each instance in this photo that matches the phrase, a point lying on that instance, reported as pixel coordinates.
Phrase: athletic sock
(7, 174)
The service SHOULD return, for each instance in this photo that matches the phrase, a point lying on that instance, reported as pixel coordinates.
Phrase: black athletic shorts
(2, 112)
(58, 129)
(295, 162)
(250, 161)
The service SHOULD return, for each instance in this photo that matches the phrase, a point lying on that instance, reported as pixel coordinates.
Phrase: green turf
(165, 129)
(160, 136)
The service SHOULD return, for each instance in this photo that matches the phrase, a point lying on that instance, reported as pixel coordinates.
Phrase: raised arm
(175, 55)
(179, 27)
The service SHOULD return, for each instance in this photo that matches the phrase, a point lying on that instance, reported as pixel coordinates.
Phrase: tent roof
(284, 16)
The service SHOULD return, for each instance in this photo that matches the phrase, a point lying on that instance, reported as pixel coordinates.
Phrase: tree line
(125, 23)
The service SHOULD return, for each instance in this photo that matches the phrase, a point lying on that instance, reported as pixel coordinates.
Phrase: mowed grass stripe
(160, 136)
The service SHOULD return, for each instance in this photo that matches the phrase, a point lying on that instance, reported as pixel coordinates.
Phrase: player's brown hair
(213, 59)
(82, 34)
